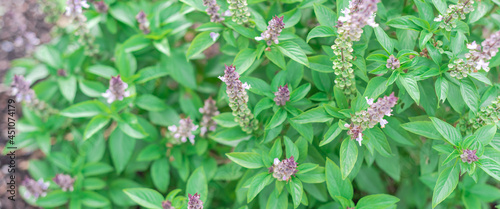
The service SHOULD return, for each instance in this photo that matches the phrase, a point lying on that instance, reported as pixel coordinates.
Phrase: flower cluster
(393, 63)
(283, 170)
(477, 58)
(239, 11)
(469, 156)
(238, 99)
(195, 202)
(453, 13)
(116, 89)
(209, 110)
(487, 116)
(75, 7)
(167, 205)
(34, 188)
(143, 22)
(350, 27)
(64, 181)
(101, 6)
(213, 10)
(273, 31)
(282, 95)
(20, 88)
(372, 116)
(185, 130)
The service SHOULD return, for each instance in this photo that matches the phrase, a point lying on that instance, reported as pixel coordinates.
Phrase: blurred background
(24, 24)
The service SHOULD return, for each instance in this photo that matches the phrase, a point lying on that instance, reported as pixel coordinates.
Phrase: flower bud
(184, 131)
(284, 170)
(34, 188)
(20, 88)
(64, 181)
(195, 202)
(282, 95)
(469, 156)
(116, 90)
(208, 111)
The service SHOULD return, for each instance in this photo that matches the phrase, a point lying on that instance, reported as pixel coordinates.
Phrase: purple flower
(195, 202)
(64, 181)
(167, 205)
(282, 95)
(284, 170)
(184, 131)
(143, 22)
(374, 115)
(214, 36)
(20, 88)
(469, 156)
(213, 10)
(208, 111)
(393, 63)
(273, 31)
(350, 27)
(477, 58)
(75, 7)
(238, 99)
(116, 90)
(101, 7)
(34, 188)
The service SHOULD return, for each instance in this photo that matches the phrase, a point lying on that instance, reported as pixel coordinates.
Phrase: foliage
(381, 119)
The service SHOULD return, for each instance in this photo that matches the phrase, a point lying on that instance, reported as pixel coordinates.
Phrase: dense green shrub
(264, 104)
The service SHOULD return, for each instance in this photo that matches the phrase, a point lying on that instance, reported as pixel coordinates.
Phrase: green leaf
(277, 200)
(320, 31)
(180, 69)
(49, 55)
(377, 201)
(395, 131)
(293, 50)
(277, 119)
(411, 86)
(331, 134)
(244, 59)
(130, 126)
(276, 57)
(451, 134)
(490, 165)
(147, 198)
(67, 86)
(325, 16)
(246, 159)
(197, 183)
(291, 149)
(160, 174)
(53, 199)
(84, 109)
(422, 128)
(258, 183)
(315, 115)
(485, 134)
(201, 42)
(276, 151)
(296, 191)
(230, 137)
(291, 18)
(91, 88)
(300, 92)
(379, 141)
(96, 124)
(225, 119)
(162, 46)
(348, 156)
(441, 88)
(334, 183)
(94, 200)
(384, 40)
(440, 6)
(470, 94)
(403, 22)
(150, 102)
(94, 169)
(446, 183)
(121, 148)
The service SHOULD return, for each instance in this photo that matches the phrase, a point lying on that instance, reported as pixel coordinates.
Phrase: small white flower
(482, 64)
(214, 36)
(347, 125)
(369, 101)
(276, 161)
(360, 138)
(246, 86)
(472, 46)
(371, 21)
(259, 38)
(438, 18)
(172, 128)
(222, 78)
(383, 122)
(227, 13)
